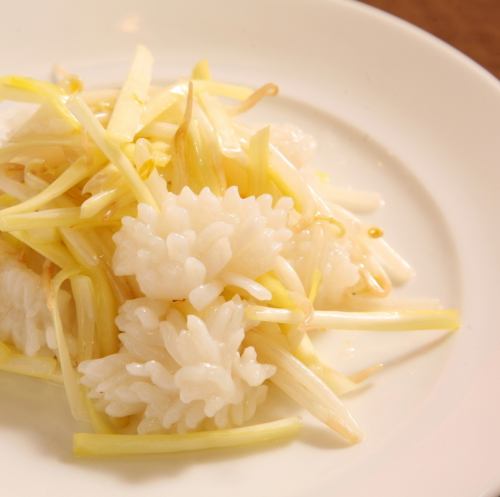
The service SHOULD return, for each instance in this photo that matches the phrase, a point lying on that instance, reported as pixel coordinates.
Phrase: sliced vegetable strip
(111, 150)
(92, 445)
(71, 381)
(408, 320)
(305, 388)
(126, 117)
(44, 368)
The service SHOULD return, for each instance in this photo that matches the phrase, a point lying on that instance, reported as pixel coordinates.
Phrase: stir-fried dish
(166, 261)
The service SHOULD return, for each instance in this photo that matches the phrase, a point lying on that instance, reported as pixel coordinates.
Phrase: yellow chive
(201, 71)
(315, 283)
(280, 295)
(91, 444)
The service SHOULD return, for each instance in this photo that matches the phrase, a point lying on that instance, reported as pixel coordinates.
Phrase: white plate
(394, 110)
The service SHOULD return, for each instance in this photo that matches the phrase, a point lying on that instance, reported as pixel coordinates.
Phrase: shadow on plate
(37, 412)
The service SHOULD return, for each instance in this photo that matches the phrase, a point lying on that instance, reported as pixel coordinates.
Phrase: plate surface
(394, 110)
